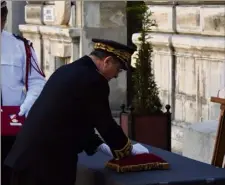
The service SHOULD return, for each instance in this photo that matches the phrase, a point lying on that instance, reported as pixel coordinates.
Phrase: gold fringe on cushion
(139, 167)
(125, 151)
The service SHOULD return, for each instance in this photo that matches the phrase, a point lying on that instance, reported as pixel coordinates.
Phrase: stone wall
(189, 59)
(15, 16)
(62, 31)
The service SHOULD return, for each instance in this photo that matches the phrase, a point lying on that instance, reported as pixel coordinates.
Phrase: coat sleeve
(103, 121)
(36, 82)
(93, 142)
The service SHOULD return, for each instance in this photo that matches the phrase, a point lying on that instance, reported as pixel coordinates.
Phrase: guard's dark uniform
(61, 124)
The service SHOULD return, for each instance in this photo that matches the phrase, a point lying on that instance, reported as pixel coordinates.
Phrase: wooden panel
(219, 149)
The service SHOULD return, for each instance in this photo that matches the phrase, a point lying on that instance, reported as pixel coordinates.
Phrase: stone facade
(62, 31)
(189, 60)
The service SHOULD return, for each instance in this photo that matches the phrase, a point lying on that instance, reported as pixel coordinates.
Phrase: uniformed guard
(18, 86)
(61, 123)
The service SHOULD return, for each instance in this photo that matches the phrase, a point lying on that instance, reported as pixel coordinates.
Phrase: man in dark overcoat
(61, 123)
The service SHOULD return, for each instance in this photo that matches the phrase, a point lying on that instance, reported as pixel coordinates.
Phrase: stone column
(15, 16)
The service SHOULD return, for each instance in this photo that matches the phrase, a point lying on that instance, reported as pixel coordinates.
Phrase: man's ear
(107, 59)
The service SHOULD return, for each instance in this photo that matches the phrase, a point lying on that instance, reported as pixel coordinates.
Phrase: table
(183, 171)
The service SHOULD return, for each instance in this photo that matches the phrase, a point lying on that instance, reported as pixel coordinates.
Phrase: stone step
(199, 141)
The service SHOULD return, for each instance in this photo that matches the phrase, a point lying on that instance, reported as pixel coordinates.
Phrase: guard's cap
(3, 4)
(122, 52)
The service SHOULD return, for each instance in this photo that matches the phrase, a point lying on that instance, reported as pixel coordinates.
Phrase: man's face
(111, 67)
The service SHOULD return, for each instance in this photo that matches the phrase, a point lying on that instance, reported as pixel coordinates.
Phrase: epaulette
(21, 38)
(28, 46)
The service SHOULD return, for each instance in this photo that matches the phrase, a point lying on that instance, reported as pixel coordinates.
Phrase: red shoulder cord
(29, 64)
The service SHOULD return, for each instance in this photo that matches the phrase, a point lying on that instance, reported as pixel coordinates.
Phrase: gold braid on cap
(122, 55)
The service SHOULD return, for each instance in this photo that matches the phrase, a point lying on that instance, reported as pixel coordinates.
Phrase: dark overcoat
(61, 124)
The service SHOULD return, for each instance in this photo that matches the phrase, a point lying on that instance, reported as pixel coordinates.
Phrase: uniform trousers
(6, 145)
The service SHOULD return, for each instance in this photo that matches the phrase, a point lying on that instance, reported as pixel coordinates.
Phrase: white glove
(104, 148)
(139, 149)
(23, 111)
(26, 106)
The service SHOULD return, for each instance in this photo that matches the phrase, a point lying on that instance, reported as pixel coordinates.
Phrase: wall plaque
(48, 14)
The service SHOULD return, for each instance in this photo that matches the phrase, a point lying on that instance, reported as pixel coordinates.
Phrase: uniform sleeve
(103, 121)
(36, 82)
(93, 142)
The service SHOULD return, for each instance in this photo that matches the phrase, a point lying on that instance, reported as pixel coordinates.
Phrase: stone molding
(186, 2)
(29, 29)
(51, 31)
(187, 42)
(60, 38)
(191, 19)
(60, 31)
(35, 2)
(34, 12)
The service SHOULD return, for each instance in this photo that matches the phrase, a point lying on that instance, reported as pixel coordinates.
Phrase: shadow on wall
(118, 88)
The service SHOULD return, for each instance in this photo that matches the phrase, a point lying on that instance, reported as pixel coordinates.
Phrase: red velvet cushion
(138, 163)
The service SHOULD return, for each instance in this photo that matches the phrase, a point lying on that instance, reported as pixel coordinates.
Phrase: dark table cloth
(183, 171)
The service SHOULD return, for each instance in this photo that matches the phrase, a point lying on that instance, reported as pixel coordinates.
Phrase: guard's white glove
(23, 111)
(139, 149)
(104, 148)
(26, 106)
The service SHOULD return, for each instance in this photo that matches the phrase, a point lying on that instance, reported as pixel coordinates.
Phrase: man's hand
(139, 149)
(104, 148)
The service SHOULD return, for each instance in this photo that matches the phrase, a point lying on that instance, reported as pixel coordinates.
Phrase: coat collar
(86, 60)
(90, 63)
